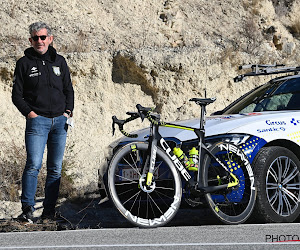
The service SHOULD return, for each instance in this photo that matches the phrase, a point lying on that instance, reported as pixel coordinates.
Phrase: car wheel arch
(290, 145)
(263, 159)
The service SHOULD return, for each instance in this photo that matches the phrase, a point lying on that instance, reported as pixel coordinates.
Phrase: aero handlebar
(142, 112)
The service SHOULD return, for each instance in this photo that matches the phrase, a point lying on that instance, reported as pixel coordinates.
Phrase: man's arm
(68, 88)
(17, 92)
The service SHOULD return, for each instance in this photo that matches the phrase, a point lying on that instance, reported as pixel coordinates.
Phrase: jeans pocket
(32, 118)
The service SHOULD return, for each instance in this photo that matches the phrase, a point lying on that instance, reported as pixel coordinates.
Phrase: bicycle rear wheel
(141, 205)
(235, 204)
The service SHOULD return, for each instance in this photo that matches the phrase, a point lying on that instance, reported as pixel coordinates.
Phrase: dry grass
(125, 70)
(5, 74)
(295, 28)
(11, 170)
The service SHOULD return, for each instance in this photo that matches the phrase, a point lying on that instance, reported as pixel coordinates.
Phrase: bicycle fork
(154, 140)
(152, 150)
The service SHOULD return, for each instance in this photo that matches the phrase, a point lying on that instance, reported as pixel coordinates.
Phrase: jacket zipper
(49, 86)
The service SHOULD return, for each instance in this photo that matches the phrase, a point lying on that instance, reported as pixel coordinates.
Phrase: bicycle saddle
(203, 101)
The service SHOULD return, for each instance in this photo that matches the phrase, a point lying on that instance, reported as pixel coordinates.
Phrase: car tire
(276, 196)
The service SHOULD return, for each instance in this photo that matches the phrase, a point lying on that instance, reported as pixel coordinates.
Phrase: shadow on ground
(89, 214)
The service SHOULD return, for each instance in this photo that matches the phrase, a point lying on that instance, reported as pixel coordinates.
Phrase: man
(43, 93)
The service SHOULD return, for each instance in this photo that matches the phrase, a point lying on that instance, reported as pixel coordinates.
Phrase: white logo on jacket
(34, 72)
(56, 70)
(34, 69)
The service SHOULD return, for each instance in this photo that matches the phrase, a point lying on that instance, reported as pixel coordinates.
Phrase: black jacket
(42, 84)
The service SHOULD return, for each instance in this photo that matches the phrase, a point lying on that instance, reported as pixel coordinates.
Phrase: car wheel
(277, 175)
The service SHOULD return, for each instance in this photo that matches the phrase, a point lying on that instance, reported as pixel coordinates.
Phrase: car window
(249, 102)
(281, 95)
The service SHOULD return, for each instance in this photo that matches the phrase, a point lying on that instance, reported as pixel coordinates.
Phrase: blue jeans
(39, 132)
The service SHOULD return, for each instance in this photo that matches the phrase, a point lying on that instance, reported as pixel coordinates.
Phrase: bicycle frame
(156, 138)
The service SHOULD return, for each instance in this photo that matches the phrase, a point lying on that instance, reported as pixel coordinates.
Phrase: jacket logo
(34, 72)
(56, 70)
(34, 69)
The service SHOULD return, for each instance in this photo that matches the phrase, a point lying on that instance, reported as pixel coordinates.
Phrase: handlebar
(142, 112)
(121, 123)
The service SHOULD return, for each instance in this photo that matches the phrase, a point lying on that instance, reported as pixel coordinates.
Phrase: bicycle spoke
(165, 188)
(124, 178)
(133, 167)
(155, 204)
(162, 194)
(133, 201)
(125, 192)
(157, 167)
(131, 197)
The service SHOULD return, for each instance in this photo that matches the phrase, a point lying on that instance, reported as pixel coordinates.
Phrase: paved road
(247, 236)
(190, 229)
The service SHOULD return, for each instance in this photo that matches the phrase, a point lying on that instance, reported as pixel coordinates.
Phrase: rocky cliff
(157, 53)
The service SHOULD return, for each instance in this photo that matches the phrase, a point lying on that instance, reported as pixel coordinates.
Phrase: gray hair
(38, 26)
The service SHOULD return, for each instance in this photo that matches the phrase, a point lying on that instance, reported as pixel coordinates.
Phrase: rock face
(156, 53)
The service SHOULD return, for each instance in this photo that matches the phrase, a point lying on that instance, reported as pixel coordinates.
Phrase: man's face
(40, 46)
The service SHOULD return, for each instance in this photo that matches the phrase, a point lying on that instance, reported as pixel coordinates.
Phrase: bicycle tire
(140, 206)
(232, 205)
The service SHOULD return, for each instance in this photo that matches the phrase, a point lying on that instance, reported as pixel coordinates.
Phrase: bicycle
(144, 180)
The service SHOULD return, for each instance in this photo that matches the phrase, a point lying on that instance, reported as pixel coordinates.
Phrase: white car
(265, 123)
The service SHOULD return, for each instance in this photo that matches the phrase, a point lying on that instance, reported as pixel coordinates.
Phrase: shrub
(13, 160)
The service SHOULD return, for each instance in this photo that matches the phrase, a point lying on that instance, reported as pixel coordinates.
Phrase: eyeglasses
(36, 38)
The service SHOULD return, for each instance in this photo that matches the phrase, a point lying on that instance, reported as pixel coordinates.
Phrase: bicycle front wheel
(235, 204)
(142, 205)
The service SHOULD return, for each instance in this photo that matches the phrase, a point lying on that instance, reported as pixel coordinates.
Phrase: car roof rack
(264, 69)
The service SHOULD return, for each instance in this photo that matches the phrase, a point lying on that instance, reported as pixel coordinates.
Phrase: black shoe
(27, 215)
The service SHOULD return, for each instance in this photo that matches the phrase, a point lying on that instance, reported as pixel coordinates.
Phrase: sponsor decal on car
(295, 136)
(272, 123)
(273, 129)
(295, 122)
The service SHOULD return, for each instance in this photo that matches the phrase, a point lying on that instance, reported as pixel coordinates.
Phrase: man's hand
(31, 115)
(68, 113)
